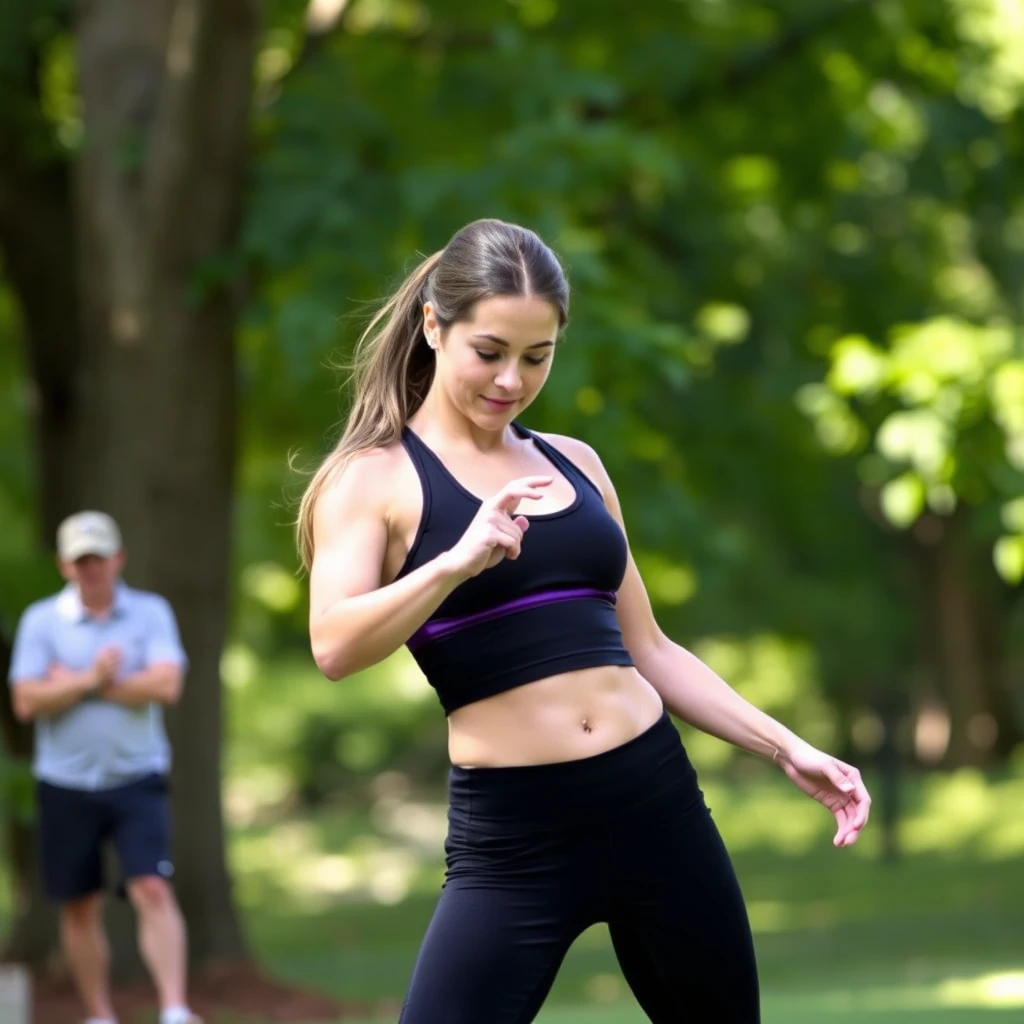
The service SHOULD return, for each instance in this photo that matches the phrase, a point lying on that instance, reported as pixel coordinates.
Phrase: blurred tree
(737, 188)
(795, 232)
(124, 133)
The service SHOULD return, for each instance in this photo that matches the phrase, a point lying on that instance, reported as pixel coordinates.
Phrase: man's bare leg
(162, 939)
(85, 945)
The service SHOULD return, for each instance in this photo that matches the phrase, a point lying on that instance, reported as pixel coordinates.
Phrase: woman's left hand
(834, 784)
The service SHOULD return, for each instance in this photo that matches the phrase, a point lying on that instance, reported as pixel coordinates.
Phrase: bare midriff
(561, 718)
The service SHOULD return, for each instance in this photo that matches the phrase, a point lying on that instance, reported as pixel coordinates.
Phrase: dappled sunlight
(1002, 989)
(776, 673)
(397, 852)
(239, 666)
(761, 815)
(995, 82)
(1005, 837)
(408, 680)
(272, 585)
(668, 582)
(771, 916)
(247, 796)
(421, 825)
(983, 991)
(289, 857)
(964, 810)
(605, 988)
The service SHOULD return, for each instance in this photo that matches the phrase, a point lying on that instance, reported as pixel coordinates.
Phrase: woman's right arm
(354, 621)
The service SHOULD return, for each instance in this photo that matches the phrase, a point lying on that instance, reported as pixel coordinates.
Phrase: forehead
(515, 318)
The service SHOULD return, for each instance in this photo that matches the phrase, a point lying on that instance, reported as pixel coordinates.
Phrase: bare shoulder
(369, 485)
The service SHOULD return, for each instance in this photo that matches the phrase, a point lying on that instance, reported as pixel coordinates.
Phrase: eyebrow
(483, 336)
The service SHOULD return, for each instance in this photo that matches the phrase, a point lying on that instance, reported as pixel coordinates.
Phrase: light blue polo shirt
(97, 744)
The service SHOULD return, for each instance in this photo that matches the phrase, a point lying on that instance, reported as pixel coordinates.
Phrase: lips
(498, 403)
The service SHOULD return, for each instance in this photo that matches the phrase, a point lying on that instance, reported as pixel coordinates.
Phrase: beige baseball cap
(88, 533)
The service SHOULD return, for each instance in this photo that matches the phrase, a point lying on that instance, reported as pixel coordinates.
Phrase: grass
(338, 900)
(342, 902)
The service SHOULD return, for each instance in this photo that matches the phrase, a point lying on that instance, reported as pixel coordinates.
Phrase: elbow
(332, 665)
(22, 708)
(170, 686)
(331, 659)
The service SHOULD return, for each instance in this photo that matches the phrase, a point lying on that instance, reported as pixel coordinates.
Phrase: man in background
(93, 666)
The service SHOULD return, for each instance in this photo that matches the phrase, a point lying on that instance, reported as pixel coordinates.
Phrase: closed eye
(490, 357)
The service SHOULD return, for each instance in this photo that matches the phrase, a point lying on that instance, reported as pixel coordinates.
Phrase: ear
(431, 327)
(66, 569)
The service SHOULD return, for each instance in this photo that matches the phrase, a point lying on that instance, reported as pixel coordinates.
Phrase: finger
(843, 825)
(511, 494)
(513, 532)
(851, 818)
(861, 806)
(508, 544)
(858, 802)
(839, 775)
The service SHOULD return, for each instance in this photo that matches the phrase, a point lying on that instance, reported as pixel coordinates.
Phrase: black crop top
(551, 610)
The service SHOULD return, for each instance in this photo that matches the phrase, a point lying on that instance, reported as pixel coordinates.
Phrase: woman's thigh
(489, 954)
(509, 910)
(679, 924)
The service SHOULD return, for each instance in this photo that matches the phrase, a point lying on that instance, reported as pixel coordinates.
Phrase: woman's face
(493, 365)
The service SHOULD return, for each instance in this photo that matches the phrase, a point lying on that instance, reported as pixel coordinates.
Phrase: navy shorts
(75, 826)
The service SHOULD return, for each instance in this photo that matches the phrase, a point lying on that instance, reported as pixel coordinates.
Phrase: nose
(509, 378)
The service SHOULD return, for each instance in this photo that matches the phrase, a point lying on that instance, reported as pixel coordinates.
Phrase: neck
(437, 419)
(99, 602)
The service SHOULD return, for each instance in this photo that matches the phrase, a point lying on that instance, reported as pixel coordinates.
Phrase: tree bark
(962, 645)
(154, 202)
(33, 937)
(38, 255)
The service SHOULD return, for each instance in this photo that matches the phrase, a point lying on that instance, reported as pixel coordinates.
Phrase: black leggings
(538, 854)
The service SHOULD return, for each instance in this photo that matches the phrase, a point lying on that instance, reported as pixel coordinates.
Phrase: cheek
(463, 372)
(539, 375)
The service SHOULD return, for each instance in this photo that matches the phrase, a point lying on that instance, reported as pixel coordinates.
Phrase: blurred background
(795, 233)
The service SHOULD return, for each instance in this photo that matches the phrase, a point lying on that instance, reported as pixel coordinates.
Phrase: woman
(499, 557)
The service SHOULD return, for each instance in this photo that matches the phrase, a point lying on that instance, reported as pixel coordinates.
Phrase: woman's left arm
(694, 693)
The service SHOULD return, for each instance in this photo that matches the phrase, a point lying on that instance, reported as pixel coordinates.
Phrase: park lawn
(841, 936)
(338, 900)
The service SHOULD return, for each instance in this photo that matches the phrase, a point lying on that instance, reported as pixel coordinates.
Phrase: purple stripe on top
(445, 627)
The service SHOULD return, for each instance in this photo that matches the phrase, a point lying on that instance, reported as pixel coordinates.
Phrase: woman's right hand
(495, 532)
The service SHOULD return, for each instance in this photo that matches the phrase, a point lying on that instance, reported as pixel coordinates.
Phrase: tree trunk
(33, 936)
(156, 200)
(38, 257)
(962, 645)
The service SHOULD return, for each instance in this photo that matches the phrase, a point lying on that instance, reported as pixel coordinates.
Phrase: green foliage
(17, 790)
(795, 234)
(737, 190)
(948, 399)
